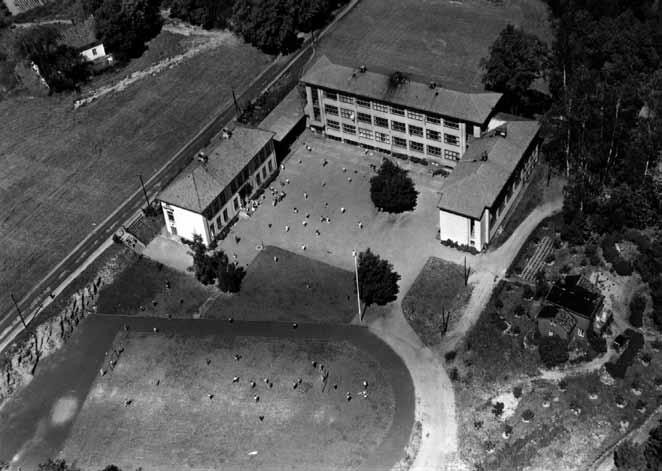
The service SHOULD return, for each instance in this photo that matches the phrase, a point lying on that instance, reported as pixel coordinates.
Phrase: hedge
(462, 247)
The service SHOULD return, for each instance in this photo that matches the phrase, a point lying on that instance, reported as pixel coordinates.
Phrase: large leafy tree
(653, 448)
(206, 13)
(553, 351)
(516, 59)
(269, 25)
(629, 456)
(61, 66)
(378, 283)
(392, 190)
(125, 26)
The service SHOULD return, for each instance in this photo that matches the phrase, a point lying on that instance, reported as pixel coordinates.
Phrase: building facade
(477, 195)
(393, 114)
(208, 195)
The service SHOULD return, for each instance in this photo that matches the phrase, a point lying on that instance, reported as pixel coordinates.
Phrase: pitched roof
(474, 184)
(575, 294)
(199, 184)
(472, 107)
(287, 114)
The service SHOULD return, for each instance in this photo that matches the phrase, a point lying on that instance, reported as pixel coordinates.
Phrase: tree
(553, 351)
(230, 276)
(111, 467)
(629, 456)
(125, 26)
(516, 59)
(653, 448)
(269, 25)
(378, 283)
(5, 19)
(61, 66)
(392, 190)
(204, 266)
(206, 13)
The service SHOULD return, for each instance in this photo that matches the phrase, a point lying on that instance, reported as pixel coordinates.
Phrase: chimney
(362, 69)
(433, 85)
(483, 156)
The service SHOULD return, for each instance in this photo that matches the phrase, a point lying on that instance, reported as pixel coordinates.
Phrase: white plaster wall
(454, 227)
(87, 53)
(187, 223)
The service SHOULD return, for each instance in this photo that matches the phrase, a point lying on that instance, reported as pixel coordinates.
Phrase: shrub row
(462, 247)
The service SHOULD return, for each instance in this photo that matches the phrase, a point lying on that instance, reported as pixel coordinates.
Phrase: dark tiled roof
(199, 184)
(571, 293)
(474, 184)
(472, 107)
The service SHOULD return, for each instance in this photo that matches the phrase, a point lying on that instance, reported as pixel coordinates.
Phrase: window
(452, 140)
(211, 229)
(271, 166)
(398, 126)
(451, 155)
(364, 118)
(317, 116)
(380, 107)
(235, 203)
(365, 133)
(436, 151)
(382, 137)
(417, 146)
(349, 141)
(330, 95)
(433, 119)
(399, 142)
(94, 51)
(264, 173)
(381, 122)
(315, 94)
(334, 138)
(346, 98)
(451, 123)
(349, 128)
(258, 178)
(225, 215)
(328, 109)
(171, 215)
(219, 222)
(332, 124)
(347, 114)
(398, 111)
(433, 135)
(363, 103)
(415, 131)
(580, 332)
(414, 115)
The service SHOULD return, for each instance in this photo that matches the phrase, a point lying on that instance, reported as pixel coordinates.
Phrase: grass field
(439, 285)
(62, 170)
(440, 38)
(296, 288)
(141, 290)
(175, 425)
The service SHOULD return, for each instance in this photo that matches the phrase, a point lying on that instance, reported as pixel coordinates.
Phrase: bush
(637, 307)
(498, 303)
(642, 242)
(517, 392)
(450, 356)
(629, 456)
(463, 247)
(519, 311)
(597, 342)
(528, 415)
(229, 277)
(553, 351)
(454, 375)
(622, 267)
(550, 258)
(497, 409)
(527, 293)
(392, 190)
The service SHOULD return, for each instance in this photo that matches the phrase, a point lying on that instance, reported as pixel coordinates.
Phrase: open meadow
(65, 170)
(230, 401)
(431, 38)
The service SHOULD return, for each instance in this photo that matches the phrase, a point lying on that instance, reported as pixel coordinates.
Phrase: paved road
(25, 421)
(9, 322)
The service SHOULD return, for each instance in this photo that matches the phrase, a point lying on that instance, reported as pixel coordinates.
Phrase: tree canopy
(125, 26)
(553, 351)
(378, 283)
(516, 59)
(210, 267)
(61, 66)
(392, 190)
(206, 13)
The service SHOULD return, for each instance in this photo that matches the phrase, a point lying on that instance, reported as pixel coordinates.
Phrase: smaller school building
(478, 193)
(206, 196)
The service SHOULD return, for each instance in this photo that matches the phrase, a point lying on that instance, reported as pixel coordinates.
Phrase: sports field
(64, 170)
(433, 38)
(172, 402)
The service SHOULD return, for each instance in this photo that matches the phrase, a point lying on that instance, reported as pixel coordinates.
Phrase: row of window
(381, 107)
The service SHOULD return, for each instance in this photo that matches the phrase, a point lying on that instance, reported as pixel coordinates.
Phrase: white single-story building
(213, 189)
(479, 192)
(93, 51)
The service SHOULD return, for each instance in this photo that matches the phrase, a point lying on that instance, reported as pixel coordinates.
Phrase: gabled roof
(475, 184)
(575, 294)
(472, 107)
(198, 185)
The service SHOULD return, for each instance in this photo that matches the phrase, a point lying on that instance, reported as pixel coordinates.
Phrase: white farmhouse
(213, 189)
(93, 51)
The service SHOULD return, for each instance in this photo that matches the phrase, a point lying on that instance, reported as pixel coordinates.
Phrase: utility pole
(25, 325)
(18, 309)
(144, 191)
(237, 108)
(356, 273)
